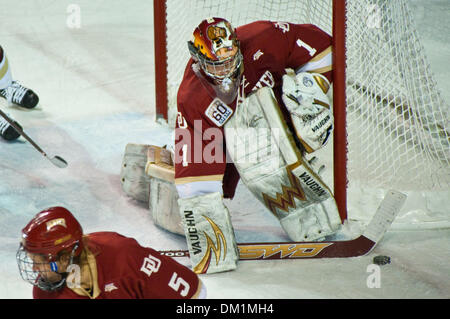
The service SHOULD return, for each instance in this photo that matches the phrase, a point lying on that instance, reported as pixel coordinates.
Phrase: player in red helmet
(62, 262)
(51, 242)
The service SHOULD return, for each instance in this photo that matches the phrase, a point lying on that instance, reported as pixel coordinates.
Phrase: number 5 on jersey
(177, 282)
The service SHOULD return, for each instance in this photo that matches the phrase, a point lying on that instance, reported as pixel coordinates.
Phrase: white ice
(96, 89)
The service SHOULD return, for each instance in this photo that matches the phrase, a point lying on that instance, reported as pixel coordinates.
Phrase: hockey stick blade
(55, 160)
(383, 218)
(58, 161)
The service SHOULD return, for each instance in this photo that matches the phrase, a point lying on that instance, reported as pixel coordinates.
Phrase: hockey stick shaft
(383, 218)
(56, 160)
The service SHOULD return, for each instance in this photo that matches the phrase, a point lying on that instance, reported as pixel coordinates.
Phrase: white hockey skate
(8, 132)
(20, 95)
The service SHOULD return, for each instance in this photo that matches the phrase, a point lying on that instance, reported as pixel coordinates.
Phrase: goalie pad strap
(160, 164)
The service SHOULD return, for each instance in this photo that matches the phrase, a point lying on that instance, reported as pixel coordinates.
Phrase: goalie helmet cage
(391, 123)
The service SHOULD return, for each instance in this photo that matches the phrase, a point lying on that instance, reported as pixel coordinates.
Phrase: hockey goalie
(253, 103)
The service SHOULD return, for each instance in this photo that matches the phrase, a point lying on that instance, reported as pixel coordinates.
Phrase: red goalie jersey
(268, 48)
(120, 269)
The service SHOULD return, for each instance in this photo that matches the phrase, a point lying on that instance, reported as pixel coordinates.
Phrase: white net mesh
(184, 16)
(397, 121)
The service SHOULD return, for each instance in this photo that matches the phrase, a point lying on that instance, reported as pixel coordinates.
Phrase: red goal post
(339, 104)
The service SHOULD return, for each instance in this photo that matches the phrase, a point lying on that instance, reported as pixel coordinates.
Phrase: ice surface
(96, 89)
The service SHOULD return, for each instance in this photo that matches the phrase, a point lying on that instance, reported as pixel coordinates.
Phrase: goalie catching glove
(305, 96)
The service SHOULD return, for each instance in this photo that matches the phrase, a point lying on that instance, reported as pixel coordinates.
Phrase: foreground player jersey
(268, 48)
(121, 269)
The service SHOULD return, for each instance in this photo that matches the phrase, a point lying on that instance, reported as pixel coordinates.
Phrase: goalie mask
(215, 48)
(50, 235)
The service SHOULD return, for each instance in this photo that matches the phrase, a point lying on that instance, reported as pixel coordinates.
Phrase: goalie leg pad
(163, 205)
(209, 233)
(163, 201)
(312, 223)
(134, 180)
(283, 181)
(147, 175)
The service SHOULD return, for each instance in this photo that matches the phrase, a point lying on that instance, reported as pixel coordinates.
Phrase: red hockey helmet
(52, 231)
(215, 47)
(47, 235)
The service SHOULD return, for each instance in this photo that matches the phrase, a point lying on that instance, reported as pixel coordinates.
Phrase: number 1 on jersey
(310, 49)
(184, 152)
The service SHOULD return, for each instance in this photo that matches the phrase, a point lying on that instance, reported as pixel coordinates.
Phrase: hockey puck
(381, 260)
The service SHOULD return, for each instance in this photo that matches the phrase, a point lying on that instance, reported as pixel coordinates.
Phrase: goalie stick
(362, 245)
(56, 160)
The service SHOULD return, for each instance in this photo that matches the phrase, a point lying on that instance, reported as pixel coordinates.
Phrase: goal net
(396, 121)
